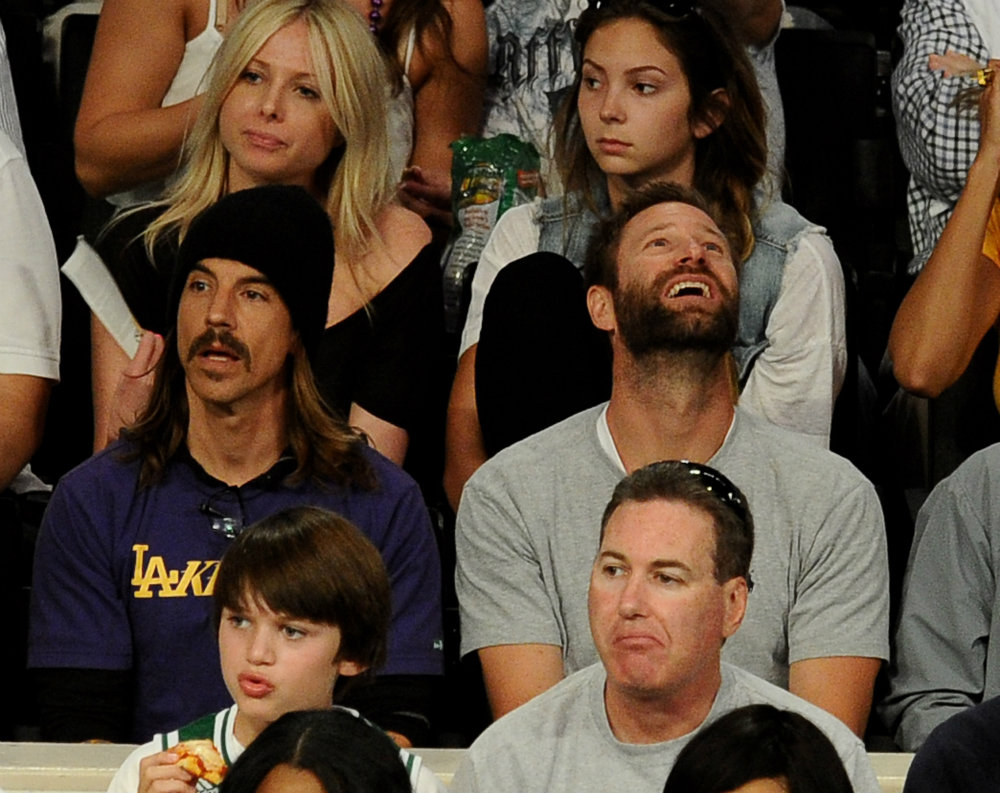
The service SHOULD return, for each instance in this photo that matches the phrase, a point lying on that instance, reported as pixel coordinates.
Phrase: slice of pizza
(201, 759)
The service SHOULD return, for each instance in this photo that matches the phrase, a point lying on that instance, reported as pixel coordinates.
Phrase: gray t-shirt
(529, 522)
(945, 659)
(561, 742)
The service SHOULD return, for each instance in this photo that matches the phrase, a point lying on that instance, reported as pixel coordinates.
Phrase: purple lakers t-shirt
(124, 576)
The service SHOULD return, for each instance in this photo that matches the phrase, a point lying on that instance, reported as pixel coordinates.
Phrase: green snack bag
(488, 177)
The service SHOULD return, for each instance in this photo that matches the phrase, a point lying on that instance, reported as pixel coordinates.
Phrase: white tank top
(401, 115)
(188, 82)
(198, 54)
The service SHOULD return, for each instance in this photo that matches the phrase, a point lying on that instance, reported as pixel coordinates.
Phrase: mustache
(224, 338)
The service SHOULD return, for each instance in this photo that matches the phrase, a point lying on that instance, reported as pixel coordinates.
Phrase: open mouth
(217, 346)
(690, 289)
(219, 354)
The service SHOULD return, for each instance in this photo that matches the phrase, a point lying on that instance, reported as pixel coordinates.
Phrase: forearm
(108, 362)
(841, 685)
(464, 451)
(955, 298)
(515, 673)
(388, 439)
(125, 149)
(22, 421)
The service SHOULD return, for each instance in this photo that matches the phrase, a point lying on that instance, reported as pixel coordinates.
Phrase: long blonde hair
(352, 77)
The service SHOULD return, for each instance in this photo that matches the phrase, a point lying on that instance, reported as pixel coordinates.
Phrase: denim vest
(566, 227)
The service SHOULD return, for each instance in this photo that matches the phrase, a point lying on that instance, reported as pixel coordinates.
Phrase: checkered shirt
(937, 141)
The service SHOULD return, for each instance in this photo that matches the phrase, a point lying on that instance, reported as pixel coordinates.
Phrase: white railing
(84, 768)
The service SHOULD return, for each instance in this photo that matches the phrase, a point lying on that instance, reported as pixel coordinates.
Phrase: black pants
(20, 517)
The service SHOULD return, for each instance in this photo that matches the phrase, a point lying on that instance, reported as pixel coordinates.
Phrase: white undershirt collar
(607, 443)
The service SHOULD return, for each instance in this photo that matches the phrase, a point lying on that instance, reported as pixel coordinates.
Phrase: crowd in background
(256, 198)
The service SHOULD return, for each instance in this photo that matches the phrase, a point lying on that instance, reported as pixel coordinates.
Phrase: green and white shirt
(218, 727)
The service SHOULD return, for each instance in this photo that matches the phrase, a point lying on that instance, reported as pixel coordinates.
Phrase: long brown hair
(325, 447)
(731, 160)
(428, 19)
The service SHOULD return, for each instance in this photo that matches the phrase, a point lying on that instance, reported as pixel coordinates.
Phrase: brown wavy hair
(729, 162)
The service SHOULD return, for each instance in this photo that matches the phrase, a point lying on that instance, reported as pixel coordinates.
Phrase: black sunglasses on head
(724, 490)
(678, 9)
(719, 486)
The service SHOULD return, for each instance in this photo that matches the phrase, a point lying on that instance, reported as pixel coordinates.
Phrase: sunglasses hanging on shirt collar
(220, 507)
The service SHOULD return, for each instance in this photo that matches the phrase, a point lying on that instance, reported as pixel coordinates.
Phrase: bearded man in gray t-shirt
(665, 288)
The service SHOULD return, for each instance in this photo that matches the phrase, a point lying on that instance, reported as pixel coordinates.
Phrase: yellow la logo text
(198, 576)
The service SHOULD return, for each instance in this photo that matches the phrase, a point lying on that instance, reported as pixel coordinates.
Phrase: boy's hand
(159, 773)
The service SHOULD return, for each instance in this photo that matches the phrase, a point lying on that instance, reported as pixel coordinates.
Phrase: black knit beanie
(279, 230)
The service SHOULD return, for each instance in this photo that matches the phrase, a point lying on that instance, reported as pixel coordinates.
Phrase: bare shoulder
(178, 19)
(402, 228)
(121, 47)
(404, 235)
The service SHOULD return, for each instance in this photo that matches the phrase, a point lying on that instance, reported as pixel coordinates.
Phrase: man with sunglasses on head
(122, 635)
(664, 288)
(668, 588)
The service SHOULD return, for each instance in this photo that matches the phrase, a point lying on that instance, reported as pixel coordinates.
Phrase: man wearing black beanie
(235, 431)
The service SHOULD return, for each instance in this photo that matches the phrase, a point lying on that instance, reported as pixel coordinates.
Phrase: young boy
(301, 598)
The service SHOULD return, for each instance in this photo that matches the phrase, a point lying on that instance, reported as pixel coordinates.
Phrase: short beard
(649, 327)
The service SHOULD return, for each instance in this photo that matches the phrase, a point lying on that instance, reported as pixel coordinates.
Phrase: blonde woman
(150, 57)
(296, 97)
